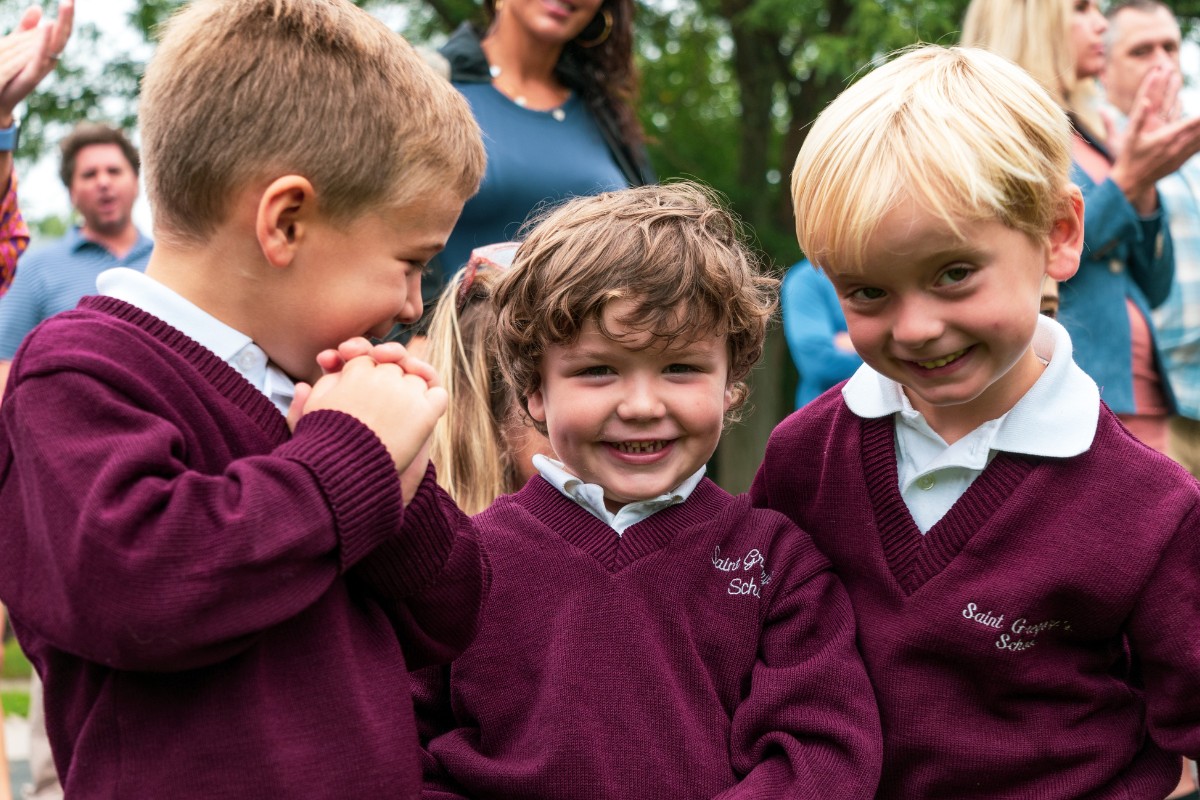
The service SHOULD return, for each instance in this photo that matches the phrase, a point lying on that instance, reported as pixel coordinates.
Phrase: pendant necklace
(558, 114)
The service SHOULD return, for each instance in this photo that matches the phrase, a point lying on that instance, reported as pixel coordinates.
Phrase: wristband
(8, 138)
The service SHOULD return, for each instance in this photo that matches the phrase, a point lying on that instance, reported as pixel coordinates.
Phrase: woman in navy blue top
(553, 88)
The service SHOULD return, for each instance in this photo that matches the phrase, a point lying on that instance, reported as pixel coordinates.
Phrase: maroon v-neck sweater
(219, 609)
(1042, 640)
(706, 652)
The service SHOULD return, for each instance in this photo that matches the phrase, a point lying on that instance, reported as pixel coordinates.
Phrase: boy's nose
(641, 401)
(916, 324)
(413, 304)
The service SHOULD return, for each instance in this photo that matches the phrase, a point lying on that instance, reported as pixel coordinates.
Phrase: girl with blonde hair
(482, 446)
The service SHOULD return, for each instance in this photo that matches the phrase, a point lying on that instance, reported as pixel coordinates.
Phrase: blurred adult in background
(1143, 35)
(100, 170)
(1127, 263)
(554, 88)
(815, 329)
(27, 55)
(19, 51)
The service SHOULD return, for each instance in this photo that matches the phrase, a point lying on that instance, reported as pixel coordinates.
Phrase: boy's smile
(635, 416)
(952, 318)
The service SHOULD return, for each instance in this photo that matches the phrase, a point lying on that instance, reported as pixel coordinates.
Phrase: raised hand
(1156, 142)
(37, 44)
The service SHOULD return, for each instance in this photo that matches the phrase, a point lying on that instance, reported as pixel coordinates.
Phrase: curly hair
(672, 250)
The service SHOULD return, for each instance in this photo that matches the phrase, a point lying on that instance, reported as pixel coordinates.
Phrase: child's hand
(333, 360)
(383, 353)
(330, 361)
(400, 407)
(411, 476)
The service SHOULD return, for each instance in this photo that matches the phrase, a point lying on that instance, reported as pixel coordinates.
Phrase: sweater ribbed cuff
(413, 558)
(357, 475)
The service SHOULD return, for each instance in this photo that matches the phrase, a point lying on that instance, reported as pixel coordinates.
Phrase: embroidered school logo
(1019, 635)
(751, 562)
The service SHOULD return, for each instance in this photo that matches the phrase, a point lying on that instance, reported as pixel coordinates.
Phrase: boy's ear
(536, 404)
(1065, 245)
(285, 210)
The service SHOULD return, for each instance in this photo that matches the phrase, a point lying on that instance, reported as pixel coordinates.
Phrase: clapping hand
(29, 53)
(1157, 142)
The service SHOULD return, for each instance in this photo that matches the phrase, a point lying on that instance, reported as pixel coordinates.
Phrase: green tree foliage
(729, 88)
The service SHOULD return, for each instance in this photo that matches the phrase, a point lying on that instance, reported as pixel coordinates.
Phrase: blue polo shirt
(53, 278)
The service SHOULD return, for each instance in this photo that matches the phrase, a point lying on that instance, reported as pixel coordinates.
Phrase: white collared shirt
(1056, 418)
(231, 346)
(591, 495)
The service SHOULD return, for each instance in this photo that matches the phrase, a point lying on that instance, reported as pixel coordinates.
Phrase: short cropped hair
(86, 134)
(671, 249)
(1113, 14)
(964, 133)
(241, 91)
(1144, 6)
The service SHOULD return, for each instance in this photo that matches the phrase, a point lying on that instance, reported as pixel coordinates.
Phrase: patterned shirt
(1177, 320)
(14, 235)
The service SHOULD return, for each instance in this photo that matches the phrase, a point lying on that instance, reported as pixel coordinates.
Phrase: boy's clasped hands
(392, 392)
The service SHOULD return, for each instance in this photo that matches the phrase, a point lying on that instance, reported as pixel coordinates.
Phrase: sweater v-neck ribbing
(228, 382)
(915, 558)
(564, 517)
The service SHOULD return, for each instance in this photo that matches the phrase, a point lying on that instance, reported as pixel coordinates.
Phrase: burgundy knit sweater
(1042, 640)
(707, 652)
(179, 568)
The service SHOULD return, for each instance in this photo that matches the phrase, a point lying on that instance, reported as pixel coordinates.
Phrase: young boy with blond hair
(646, 634)
(1022, 569)
(222, 601)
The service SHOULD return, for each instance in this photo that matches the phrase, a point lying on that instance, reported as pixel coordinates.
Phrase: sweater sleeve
(1164, 634)
(430, 578)
(120, 550)
(435, 716)
(809, 726)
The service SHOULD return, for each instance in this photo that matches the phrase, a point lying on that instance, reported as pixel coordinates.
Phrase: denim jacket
(1124, 255)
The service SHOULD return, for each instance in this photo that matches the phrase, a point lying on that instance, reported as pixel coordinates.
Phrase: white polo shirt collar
(591, 495)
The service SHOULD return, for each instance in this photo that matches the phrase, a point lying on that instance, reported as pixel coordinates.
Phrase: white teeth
(943, 361)
(640, 447)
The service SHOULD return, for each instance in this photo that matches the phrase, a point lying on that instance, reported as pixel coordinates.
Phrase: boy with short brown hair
(222, 601)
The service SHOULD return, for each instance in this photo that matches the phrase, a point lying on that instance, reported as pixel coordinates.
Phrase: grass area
(15, 703)
(15, 700)
(16, 665)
